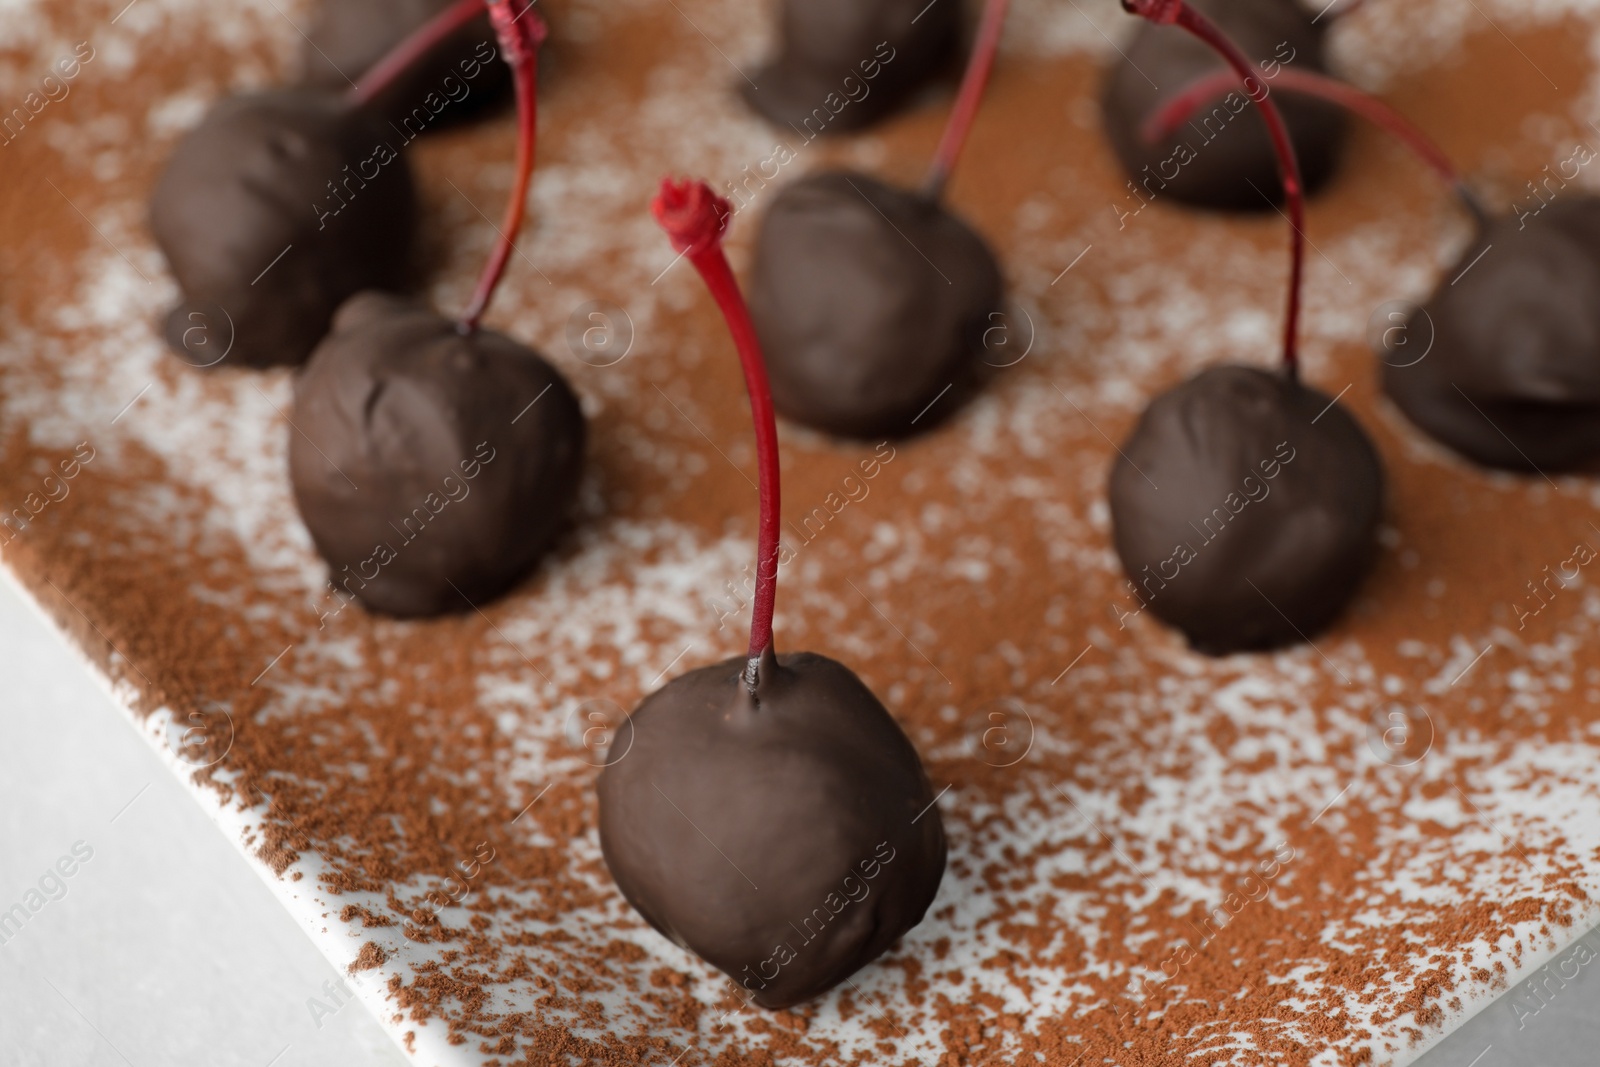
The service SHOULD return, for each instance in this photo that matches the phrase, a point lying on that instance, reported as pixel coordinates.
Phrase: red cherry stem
(695, 219)
(426, 37)
(1181, 107)
(965, 111)
(1179, 13)
(521, 31)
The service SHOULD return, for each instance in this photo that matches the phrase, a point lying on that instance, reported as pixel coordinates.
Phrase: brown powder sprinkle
(369, 958)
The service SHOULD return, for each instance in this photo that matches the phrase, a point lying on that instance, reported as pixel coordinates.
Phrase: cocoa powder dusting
(369, 957)
(1156, 858)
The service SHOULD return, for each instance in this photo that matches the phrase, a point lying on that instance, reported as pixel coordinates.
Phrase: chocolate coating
(870, 301)
(464, 72)
(844, 64)
(251, 229)
(1239, 519)
(1227, 149)
(432, 469)
(1512, 377)
(787, 840)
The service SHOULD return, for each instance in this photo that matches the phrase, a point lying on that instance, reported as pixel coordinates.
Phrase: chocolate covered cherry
(434, 462)
(872, 302)
(1245, 505)
(767, 813)
(433, 468)
(1266, 516)
(1224, 158)
(1509, 367)
(844, 64)
(272, 212)
(775, 832)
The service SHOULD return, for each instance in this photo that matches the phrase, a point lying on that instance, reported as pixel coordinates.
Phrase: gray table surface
(1550, 1020)
(164, 949)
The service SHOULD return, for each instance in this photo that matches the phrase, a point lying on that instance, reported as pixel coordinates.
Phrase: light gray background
(167, 950)
(1550, 1020)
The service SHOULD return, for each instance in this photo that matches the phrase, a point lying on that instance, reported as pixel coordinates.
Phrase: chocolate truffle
(432, 468)
(1245, 509)
(1502, 363)
(272, 211)
(844, 64)
(788, 837)
(458, 79)
(1215, 159)
(870, 302)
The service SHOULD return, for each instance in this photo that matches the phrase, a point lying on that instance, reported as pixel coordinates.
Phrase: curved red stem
(418, 44)
(1178, 110)
(695, 219)
(1179, 13)
(973, 84)
(521, 31)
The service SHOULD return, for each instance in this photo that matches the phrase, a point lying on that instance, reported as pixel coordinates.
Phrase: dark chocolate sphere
(1502, 363)
(272, 212)
(844, 64)
(432, 468)
(870, 302)
(458, 79)
(788, 840)
(1245, 509)
(1214, 159)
